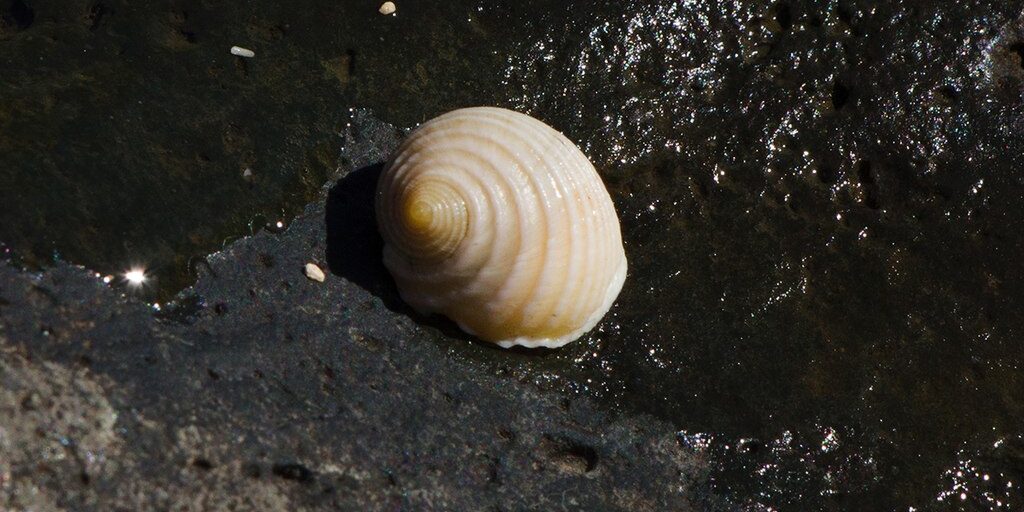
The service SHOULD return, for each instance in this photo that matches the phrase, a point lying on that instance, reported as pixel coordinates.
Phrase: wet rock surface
(264, 390)
(821, 207)
(820, 201)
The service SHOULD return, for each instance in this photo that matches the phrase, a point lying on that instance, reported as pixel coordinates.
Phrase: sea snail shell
(500, 223)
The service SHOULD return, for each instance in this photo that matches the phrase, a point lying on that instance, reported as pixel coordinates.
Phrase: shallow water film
(821, 201)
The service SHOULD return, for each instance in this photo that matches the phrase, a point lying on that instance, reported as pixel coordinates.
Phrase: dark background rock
(260, 389)
(126, 128)
(820, 200)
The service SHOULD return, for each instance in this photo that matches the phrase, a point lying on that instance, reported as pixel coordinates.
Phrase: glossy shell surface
(499, 222)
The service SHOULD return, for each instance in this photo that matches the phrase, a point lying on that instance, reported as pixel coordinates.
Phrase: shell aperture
(499, 222)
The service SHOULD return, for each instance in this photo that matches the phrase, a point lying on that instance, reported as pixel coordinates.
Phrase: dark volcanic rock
(263, 390)
(820, 202)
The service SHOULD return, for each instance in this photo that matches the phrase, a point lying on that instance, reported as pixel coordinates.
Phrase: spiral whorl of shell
(500, 223)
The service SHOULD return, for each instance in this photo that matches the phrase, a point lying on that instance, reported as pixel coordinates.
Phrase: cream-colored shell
(500, 223)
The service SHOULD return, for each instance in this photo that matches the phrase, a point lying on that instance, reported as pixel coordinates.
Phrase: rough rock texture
(264, 390)
(821, 199)
(57, 426)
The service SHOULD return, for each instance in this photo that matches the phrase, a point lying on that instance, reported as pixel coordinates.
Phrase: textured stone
(262, 390)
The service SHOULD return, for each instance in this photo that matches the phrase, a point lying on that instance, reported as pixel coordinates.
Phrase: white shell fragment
(387, 8)
(313, 272)
(238, 51)
(500, 223)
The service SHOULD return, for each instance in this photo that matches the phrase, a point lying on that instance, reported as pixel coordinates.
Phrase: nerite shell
(497, 221)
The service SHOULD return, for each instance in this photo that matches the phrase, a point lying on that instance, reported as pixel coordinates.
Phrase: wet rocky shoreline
(820, 202)
(260, 389)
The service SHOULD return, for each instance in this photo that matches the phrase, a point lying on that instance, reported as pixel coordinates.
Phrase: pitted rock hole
(567, 455)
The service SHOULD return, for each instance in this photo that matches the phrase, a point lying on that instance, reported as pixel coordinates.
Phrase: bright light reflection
(136, 276)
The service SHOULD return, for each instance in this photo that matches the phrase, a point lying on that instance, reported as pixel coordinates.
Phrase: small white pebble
(387, 8)
(238, 51)
(313, 272)
(247, 173)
